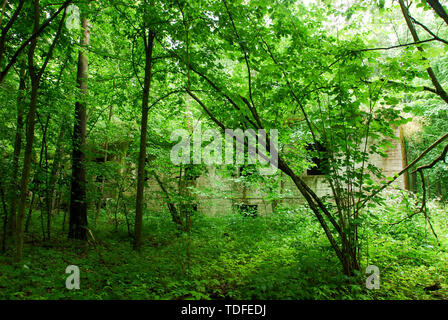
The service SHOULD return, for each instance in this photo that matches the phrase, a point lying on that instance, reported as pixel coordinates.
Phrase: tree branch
(438, 8)
(384, 186)
(439, 89)
(31, 38)
(398, 45)
(435, 37)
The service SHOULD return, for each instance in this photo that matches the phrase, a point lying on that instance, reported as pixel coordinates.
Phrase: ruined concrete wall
(226, 194)
(394, 161)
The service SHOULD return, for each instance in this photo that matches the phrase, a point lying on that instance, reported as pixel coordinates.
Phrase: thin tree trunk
(404, 159)
(106, 147)
(57, 199)
(438, 8)
(435, 81)
(8, 26)
(149, 44)
(3, 11)
(78, 204)
(26, 167)
(64, 218)
(37, 179)
(5, 217)
(29, 138)
(51, 189)
(439, 188)
(31, 39)
(175, 215)
(348, 252)
(35, 76)
(413, 181)
(13, 192)
(30, 211)
(42, 220)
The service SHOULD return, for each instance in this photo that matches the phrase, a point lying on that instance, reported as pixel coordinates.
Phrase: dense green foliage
(91, 92)
(281, 256)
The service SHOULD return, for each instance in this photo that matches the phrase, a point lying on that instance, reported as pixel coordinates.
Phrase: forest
(224, 150)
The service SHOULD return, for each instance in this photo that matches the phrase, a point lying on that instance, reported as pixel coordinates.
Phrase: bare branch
(434, 162)
(435, 37)
(399, 45)
(385, 185)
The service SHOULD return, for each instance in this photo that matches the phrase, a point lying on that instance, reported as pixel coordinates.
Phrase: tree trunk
(175, 214)
(50, 196)
(149, 44)
(438, 8)
(29, 138)
(51, 189)
(13, 194)
(106, 147)
(30, 211)
(26, 169)
(347, 253)
(78, 204)
(31, 39)
(8, 26)
(37, 180)
(404, 159)
(35, 75)
(413, 182)
(5, 216)
(439, 188)
(435, 81)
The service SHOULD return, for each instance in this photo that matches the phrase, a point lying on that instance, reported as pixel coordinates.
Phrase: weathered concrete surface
(224, 194)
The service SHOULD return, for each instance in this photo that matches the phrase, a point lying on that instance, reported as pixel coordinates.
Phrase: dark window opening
(99, 159)
(319, 159)
(192, 172)
(248, 210)
(189, 209)
(246, 171)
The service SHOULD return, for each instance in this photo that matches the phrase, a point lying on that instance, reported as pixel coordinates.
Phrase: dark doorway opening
(319, 158)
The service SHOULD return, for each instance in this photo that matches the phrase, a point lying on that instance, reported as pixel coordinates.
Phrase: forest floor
(281, 256)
